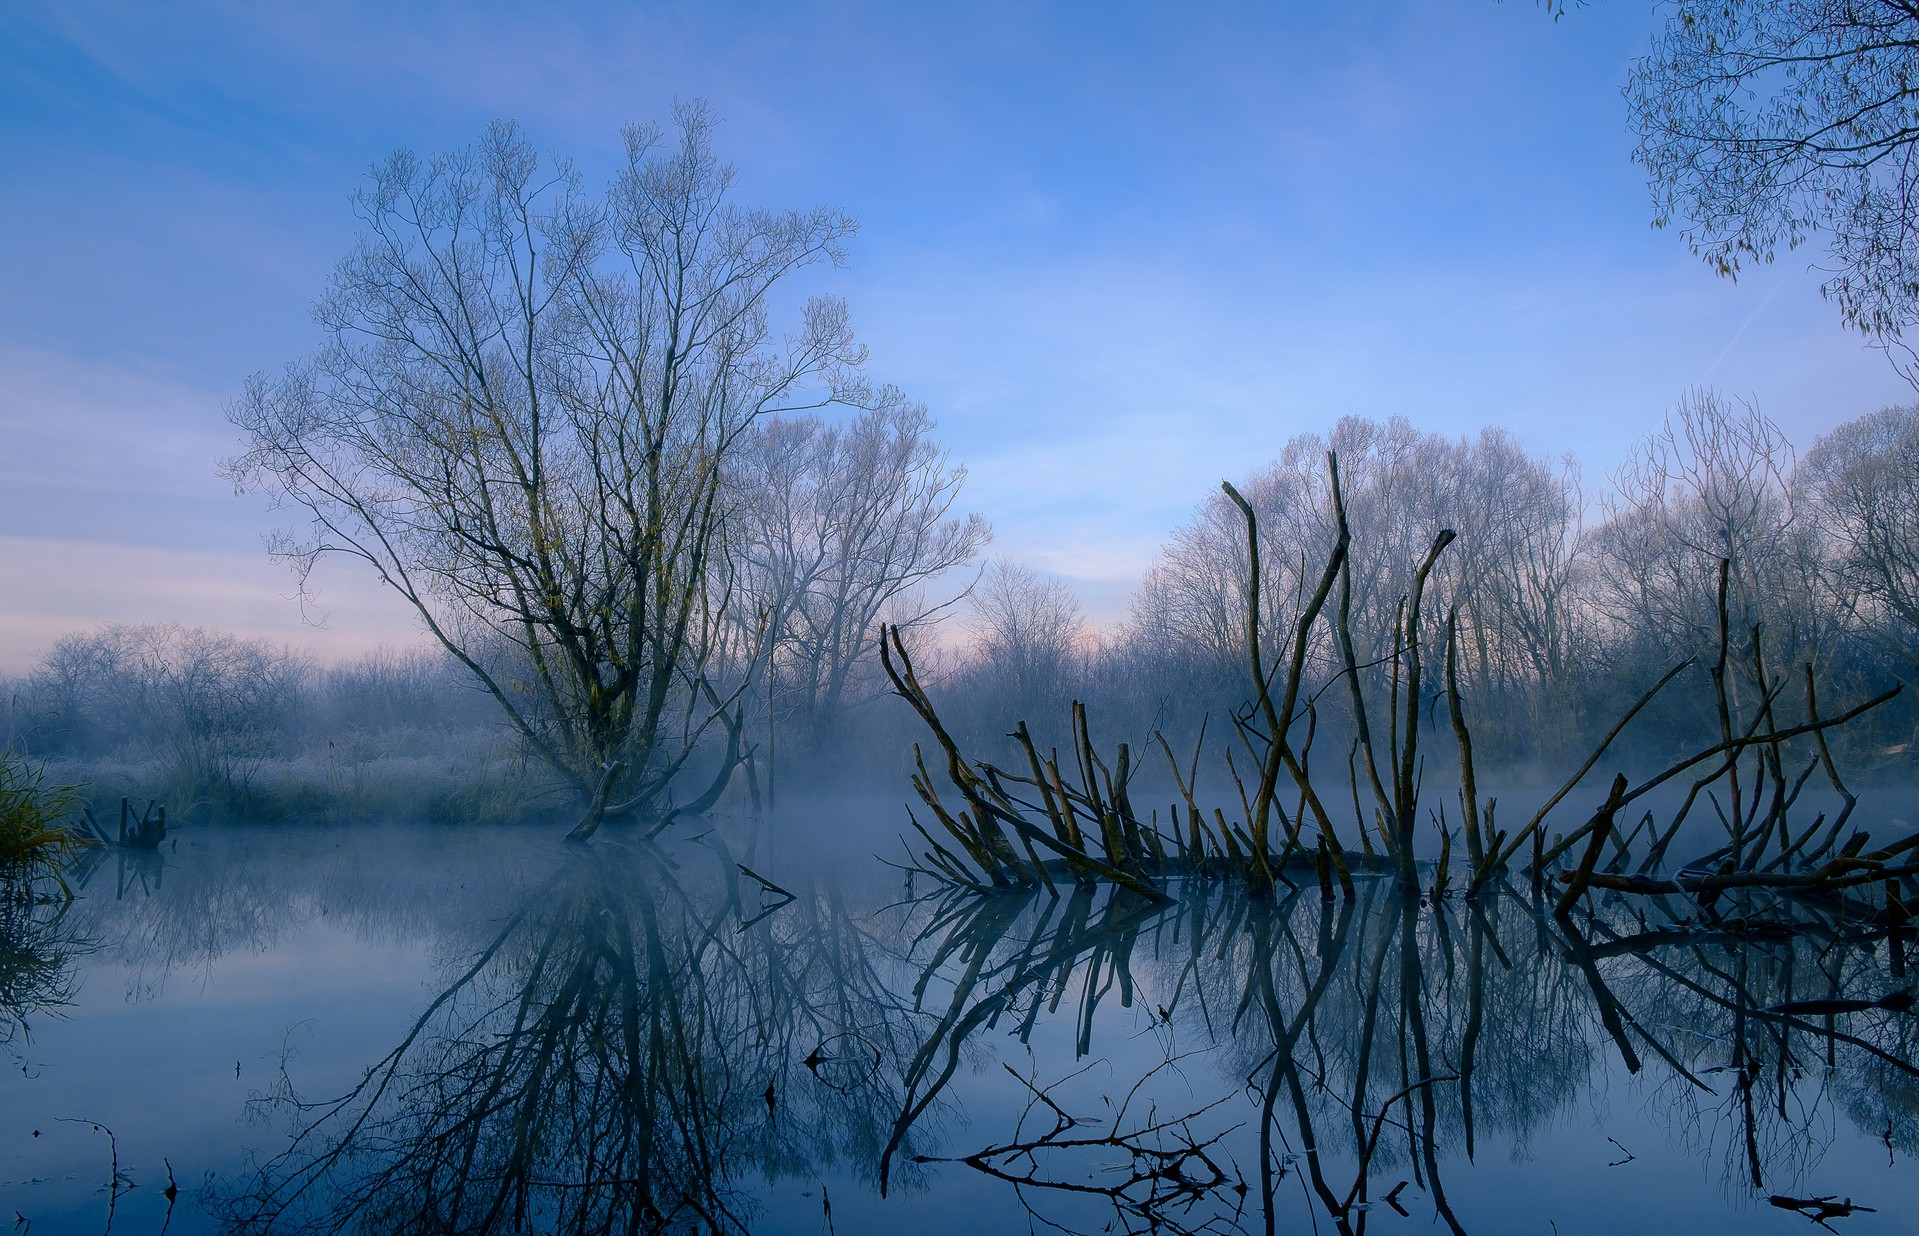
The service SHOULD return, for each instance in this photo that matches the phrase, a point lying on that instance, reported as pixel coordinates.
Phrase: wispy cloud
(1121, 254)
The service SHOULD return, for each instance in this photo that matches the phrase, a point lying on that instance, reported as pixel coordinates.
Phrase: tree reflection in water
(634, 1049)
(619, 1056)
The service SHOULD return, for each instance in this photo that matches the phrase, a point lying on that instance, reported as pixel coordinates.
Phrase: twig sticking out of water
(119, 1182)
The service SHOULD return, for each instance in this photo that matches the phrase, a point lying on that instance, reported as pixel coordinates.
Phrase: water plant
(34, 839)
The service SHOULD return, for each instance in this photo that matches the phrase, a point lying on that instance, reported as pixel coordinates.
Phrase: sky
(1121, 252)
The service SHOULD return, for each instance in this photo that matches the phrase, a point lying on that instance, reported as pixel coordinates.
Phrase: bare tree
(1517, 517)
(832, 527)
(204, 703)
(522, 415)
(1027, 632)
(1861, 481)
(1399, 484)
(1710, 485)
(1762, 124)
(1518, 561)
(1192, 599)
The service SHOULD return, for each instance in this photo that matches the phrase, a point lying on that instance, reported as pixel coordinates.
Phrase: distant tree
(389, 689)
(831, 526)
(1395, 487)
(1192, 595)
(203, 702)
(1761, 124)
(1861, 482)
(1510, 575)
(522, 417)
(1710, 485)
(1517, 564)
(1027, 632)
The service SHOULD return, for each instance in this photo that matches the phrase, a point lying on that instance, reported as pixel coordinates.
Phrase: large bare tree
(521, 417)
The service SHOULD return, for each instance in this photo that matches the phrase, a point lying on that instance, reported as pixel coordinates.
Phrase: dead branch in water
(1073, 818)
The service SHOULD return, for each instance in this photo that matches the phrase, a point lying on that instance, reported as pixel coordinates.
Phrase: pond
(764, 1028)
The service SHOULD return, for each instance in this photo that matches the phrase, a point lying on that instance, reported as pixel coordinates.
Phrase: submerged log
(1827, 879)
(1897, 1002)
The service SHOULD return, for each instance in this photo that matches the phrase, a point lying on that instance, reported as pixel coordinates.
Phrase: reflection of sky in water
(155, 1061)
(328, 944)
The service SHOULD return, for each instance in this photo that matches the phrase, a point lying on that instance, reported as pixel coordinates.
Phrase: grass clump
(35, 945)
(34, 838)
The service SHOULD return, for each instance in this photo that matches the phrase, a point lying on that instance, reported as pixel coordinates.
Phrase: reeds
(34, 839)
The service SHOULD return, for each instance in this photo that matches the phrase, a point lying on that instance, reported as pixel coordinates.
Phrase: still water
(390, 1029)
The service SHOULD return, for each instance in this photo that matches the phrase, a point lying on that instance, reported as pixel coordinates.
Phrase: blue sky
(1121, 251)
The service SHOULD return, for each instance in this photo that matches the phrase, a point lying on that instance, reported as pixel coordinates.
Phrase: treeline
(218, 725)
(1563, 607)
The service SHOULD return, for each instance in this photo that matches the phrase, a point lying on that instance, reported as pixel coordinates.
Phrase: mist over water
(735, 1029)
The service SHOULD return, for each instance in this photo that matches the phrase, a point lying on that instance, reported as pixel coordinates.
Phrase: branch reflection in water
(639, 1045)
(39, 944)
(631, 1049)
(1371, 1045)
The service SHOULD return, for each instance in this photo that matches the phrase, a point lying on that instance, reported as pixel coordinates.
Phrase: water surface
(387, 1028)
